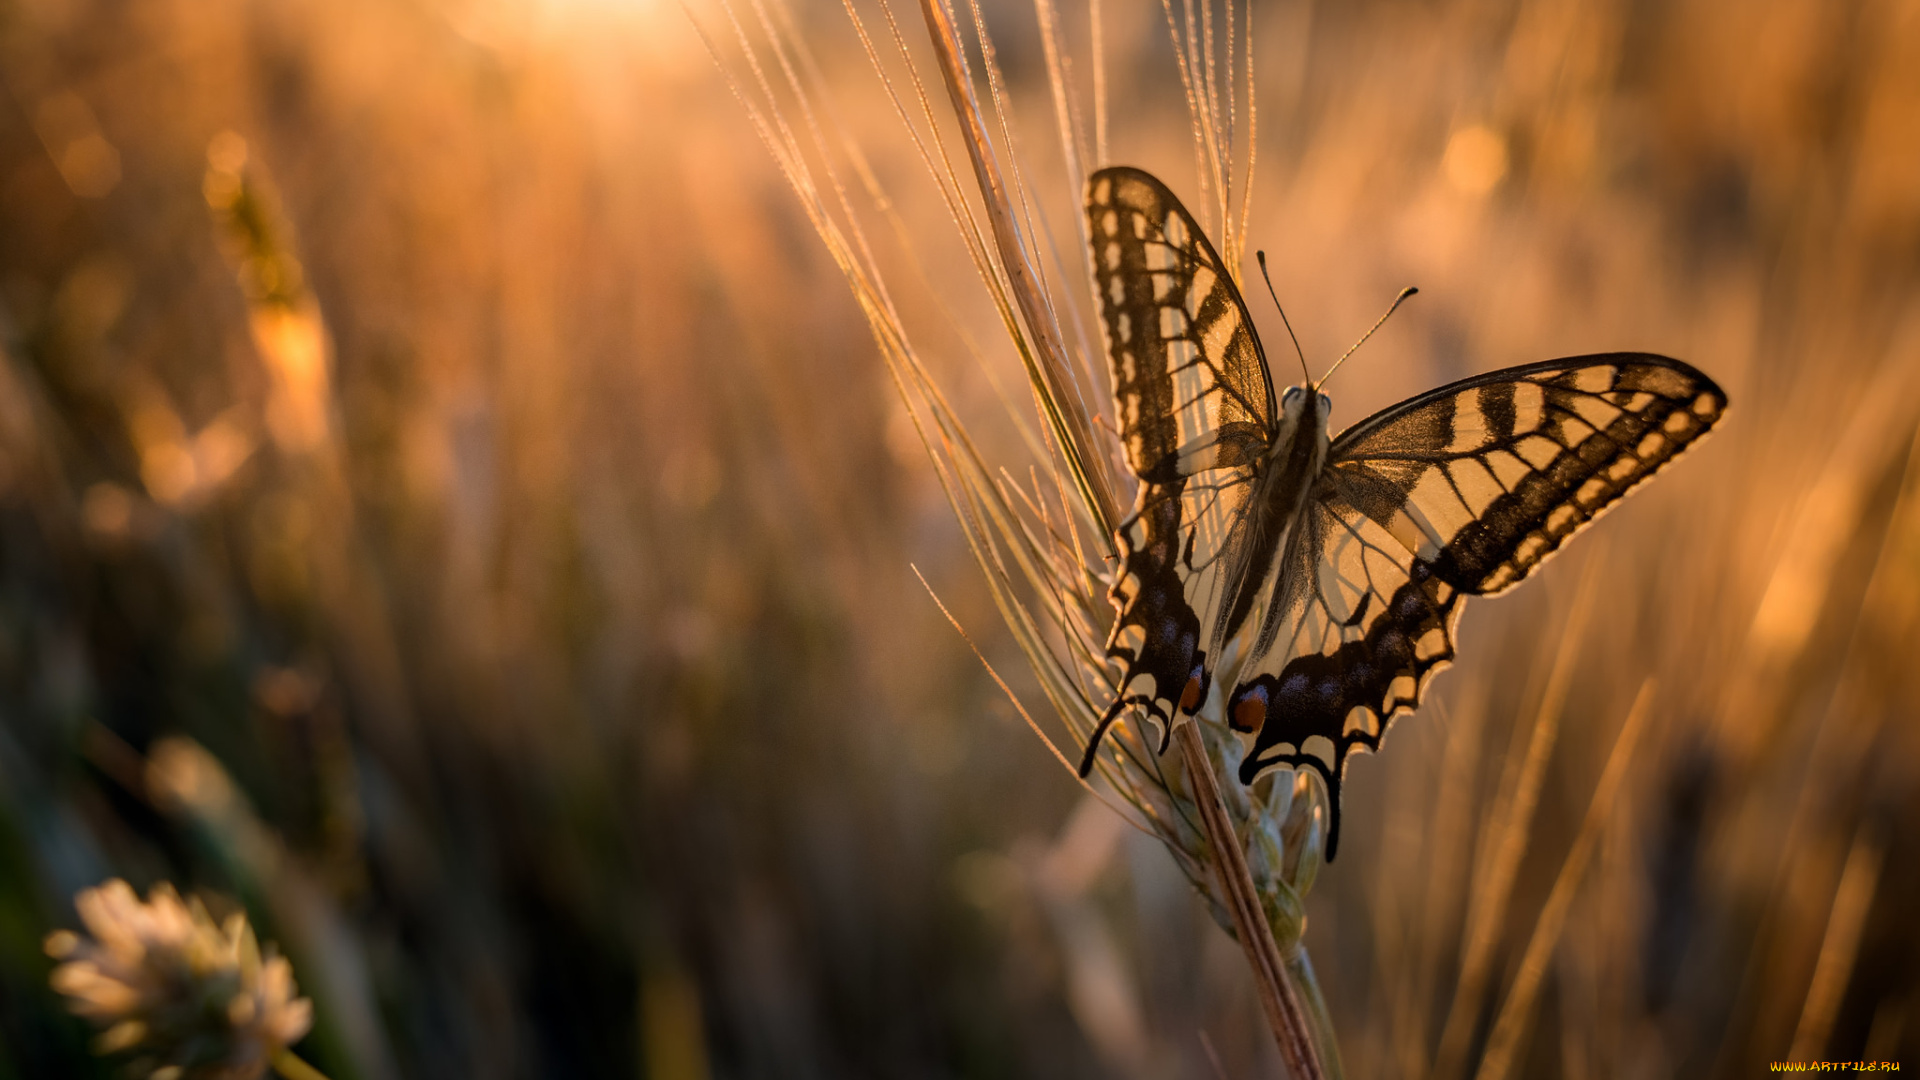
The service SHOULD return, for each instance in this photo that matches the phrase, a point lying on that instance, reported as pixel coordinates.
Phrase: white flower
(192, 1000)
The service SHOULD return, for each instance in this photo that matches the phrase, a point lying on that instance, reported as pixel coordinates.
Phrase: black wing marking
(1196, 412)
(1463, 490)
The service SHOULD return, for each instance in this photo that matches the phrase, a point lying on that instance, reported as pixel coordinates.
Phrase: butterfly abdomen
(1281, 488)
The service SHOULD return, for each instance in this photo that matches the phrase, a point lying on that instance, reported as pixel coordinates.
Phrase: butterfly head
(1304, 408)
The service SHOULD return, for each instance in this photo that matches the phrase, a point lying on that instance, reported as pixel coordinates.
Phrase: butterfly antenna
(1261, 257)
(1395, 306)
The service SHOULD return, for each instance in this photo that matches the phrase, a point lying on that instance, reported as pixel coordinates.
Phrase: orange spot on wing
(1190, 697)
(1250, 714)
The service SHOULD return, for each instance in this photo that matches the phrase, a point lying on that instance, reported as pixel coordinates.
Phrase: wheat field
(452, 509)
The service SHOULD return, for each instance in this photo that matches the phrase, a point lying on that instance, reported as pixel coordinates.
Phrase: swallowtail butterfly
(1325, 576)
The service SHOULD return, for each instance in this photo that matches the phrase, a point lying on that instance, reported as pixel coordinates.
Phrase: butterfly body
(1281, 482)
(1321, 577)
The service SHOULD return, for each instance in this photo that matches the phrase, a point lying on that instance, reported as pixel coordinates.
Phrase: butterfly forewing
(1487, 477)
(1188, 375)
(1464, 490)
(1196, 415)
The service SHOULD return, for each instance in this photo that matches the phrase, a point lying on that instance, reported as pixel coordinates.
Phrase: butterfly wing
(1195, 405)
(1461, 491)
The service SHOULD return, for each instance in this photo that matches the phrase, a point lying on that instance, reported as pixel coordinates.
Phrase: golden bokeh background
(451, 506)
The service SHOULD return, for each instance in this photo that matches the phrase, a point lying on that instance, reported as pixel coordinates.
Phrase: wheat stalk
(1043, 546)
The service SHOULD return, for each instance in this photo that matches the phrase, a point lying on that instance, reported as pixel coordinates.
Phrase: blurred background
(451, 508)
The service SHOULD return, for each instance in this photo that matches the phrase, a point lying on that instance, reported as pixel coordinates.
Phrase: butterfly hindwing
(1463, 490)
(1196, 413)
(1357, 627)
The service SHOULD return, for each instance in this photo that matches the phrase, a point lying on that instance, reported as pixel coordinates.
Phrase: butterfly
(1324, 575)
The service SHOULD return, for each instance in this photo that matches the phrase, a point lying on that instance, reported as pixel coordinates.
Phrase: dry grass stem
(1503, 1043)
(1072, 427)
(1840, 945)
(1508, 825)
(1278, 997)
